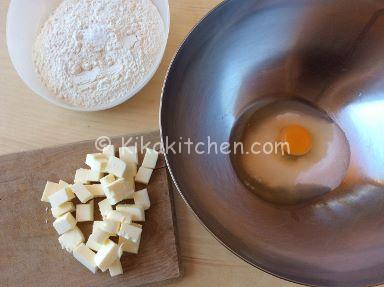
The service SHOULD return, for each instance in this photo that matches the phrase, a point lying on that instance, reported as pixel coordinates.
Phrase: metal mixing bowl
(330, 53)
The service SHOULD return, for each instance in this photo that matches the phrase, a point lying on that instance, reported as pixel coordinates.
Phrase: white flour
(92, 52)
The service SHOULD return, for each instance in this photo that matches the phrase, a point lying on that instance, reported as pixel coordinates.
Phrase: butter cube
(128, 245)
(92, 244)
(111, 227)
(141, 198)
(116, 268)
(116, 166)
(135, 211)
(107, 254)
(105, 207)
(109, 150)
(107, 179)
(129, 154)
(62, 183)
(150, 158)
(62, 209)
(130, 232)
(64, 223)
(99, 235)
(143, 175)
(85, 176)
(82, 193)
(96, 225)
(50, 188)
(86, 257)
(59, 197)
(131, 170)
(119, 190)
(70, 239)
(97, 239)
(97, 161)
(84, 212)
(118, 216)
(96, 190)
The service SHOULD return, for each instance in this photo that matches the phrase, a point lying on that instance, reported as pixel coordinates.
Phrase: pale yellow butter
(71, 239)
(86, 257)
(141, 198)
(97, 161)
(105, 207)
(82, 193)
(115, 269)
(85, 212)
(135, 211)
(129, 154)
(130, 232)
(64, 223)
(150, 158)
(116, 166)
(62, 209)
(106, 255)
(144, 175)
(59, 197)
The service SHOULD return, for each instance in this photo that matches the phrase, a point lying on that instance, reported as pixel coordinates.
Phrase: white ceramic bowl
(24, 21)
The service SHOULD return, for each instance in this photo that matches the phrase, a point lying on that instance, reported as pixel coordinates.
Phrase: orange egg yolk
(297, 140)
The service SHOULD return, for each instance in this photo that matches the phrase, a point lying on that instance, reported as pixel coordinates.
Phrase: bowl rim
(59, 103)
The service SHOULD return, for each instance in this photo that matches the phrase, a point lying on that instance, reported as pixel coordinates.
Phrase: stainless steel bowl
(330, 53)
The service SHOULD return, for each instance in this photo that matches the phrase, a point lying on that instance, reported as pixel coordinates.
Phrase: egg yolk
(298, 138)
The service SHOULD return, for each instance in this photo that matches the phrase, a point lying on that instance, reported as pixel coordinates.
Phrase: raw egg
(310, 157)
(298, 139)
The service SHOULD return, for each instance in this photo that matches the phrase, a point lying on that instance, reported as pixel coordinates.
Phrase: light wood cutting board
(30, 254)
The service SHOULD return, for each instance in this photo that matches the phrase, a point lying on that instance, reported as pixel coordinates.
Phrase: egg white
(324, 166)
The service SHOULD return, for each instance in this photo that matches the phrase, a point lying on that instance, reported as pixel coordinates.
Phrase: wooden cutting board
(30, 254)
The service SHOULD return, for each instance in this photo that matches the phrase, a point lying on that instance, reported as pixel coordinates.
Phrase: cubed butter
(116, 268)
(109, 150)
(111, 227)
(131, 170)
(64, 223)
(86, 257)
(118, 216)
(85, 176)
(130, 232)
(129, 154)
(135, 211)
(105, 207)
(128, 245)
(150, 158)
(82, 193)
(63, 183)
(100, 236)
(141, 198)
(119, 190)
(96, 190)
(116, 166)
(62, 209)
(143, 175)
(85, 212)
(71, 239)
(107, 179)
(59, 197)
(50, 188)
(92, 244)
(106, 255)
(96, 225)
(97, 161)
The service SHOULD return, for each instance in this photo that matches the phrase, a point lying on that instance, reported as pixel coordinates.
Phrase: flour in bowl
(90, 53)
